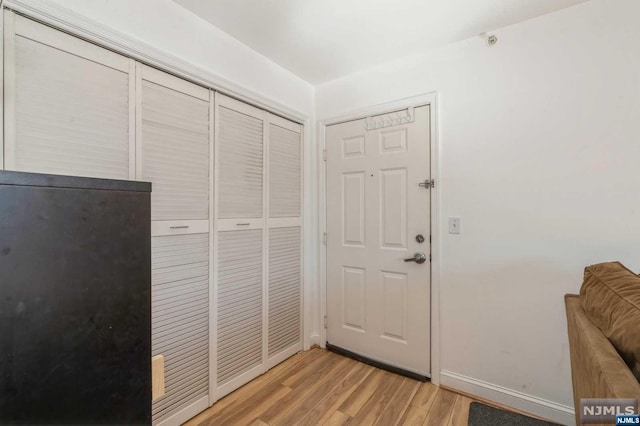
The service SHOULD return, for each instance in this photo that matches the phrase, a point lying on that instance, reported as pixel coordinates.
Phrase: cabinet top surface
(59, 181)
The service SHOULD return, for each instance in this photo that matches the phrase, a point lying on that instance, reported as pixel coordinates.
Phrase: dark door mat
(484, 415)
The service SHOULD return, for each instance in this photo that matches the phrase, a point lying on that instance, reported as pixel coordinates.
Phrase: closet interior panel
(67, 104)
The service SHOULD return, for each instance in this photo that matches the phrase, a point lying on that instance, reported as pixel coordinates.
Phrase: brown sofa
(604, 334)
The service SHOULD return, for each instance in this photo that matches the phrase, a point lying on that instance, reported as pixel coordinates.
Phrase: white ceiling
(320, 40)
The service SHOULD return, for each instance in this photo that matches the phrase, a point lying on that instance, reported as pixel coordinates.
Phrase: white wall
(540, 157)
(171, 28)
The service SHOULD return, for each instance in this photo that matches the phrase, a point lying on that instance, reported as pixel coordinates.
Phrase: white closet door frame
(216, 391)
(213, 262)
(285, 222)
(213, 290)
(18, 26)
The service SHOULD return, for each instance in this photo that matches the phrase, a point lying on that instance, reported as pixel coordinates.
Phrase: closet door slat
(240, 165)
(71, 114)
(284, 289)
(175, 152)
(180, 323)
(239, 348)
(285, 180)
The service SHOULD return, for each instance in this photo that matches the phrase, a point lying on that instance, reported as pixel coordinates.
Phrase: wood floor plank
(251, 409)
(378, 401)
(307, 393)
(360, 396)
(330, 402)
(275, 375)
(294, 363)
(398, 404)
(294, 378)
(424, 396)
(414, 416)
(460, 414)
(338, 418)
(441, 408)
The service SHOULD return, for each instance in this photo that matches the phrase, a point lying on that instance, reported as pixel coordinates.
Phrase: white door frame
(423, 99)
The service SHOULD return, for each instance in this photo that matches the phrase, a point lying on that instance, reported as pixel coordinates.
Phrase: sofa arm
(597, 370)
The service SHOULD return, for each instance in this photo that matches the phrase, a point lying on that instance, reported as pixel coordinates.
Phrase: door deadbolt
(420, 238)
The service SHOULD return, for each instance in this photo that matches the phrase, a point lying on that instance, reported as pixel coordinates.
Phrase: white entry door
(378, 216)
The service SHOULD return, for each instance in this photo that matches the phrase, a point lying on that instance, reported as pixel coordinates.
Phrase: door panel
(285, 325)
(239, 311)
(353, 211)
(354, 304)
(378, 305)
(285, 177)
(67, 104)
(393, 208)
(174, 133)
(180, 320)
(240, 164)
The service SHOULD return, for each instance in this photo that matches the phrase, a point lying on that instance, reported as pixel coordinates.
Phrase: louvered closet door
(174, 126)
(68, 104)
(180, 324)
(284, 335)
(240, 244)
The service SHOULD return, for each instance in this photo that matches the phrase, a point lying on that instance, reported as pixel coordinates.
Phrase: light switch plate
(454, 225)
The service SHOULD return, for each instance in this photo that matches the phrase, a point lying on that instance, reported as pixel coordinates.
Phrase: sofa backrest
(610, 297)
(597, 369)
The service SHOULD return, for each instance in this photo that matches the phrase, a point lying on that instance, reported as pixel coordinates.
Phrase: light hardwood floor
(320, 387)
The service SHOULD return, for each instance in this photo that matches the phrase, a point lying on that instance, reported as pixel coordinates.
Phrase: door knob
(419, 258)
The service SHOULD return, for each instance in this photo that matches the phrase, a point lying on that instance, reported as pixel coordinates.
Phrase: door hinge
(428, 183)
(325, 321)
(324, 155)
(324, 238)
(429, 257)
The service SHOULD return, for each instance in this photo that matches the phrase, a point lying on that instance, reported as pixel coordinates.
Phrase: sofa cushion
(610, 296)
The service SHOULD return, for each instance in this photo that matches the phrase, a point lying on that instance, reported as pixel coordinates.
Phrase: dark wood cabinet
(75, 300)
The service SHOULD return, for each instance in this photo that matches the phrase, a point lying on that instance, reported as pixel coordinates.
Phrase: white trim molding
(430, 99)
(544, 408)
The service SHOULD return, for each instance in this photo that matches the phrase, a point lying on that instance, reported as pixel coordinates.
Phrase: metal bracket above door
(390, 119)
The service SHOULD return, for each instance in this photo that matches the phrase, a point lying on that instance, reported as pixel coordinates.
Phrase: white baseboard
(315, 340)
(559, 413)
